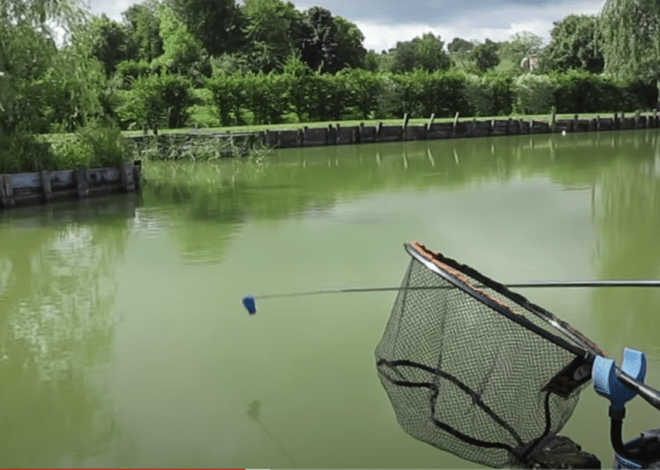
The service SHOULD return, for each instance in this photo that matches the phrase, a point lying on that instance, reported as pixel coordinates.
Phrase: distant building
(530, 63)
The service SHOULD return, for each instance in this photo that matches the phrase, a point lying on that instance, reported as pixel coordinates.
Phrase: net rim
(583, 347)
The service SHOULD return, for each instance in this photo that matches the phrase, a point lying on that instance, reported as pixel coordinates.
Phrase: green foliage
(485, 56)
(574, 45)
(366, 88)
(316, 37)
(104, 138)
(20, 152)
(129, 70)
(426, 52)
(270, 29)
(578, 91)
(217, 25)
(297, 71)
(631, 38)
(533, 94)
(460, 46)
(161, 100)
(228, 96)
(109, 42)
(143, 23)
(266, 97)
(350, 49)
(520, 45)
(479, 95)
(182, 53)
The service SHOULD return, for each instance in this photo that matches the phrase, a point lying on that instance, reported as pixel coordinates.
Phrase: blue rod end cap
(249, 304)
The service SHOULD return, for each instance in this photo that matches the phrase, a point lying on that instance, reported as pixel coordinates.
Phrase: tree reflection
(207, 202)
(56, 322)
(627, 213)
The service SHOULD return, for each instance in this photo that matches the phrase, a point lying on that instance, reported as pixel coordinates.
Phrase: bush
(161, 100)
(365, 88)
(130, 70)
(533, 94)
(228, 96)
(266, 97)
(22, 152)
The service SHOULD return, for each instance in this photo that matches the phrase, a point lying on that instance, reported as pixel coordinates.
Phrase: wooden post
(46, 186)
(615, 123)
(80, 178)
(597, 123)
(6, 191)
(453, 127)
(655, 118)
(430, 123)
(531, 126)
(553, 118)
(575, 123)
(303, 138)
(508, 126)
(637, 116)
(332, 137)
(379, 129)
(126, 174)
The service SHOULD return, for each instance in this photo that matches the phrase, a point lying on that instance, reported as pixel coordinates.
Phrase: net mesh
(467, 379)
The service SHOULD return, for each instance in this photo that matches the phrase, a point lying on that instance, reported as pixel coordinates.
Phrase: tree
(270, 32)
(110, 42)
(28, 53)
(426, 52)
(520, 45)
(459, 49)
(317, 40)
(182, 53)
(574, 45)
(217, 24)
(631, 38)
(143, 23)
(460, 46)
(350, 49)
(485, 55)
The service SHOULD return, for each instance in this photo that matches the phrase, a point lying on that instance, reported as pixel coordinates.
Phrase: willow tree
(631, 39)
(27, 27)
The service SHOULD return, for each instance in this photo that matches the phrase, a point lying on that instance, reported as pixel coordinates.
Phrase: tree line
(218, 62)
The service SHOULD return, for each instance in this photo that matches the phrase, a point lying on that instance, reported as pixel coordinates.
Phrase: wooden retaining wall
(17, 189)
(341, 135)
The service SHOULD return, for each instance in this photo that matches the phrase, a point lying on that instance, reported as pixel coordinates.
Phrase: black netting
(463, 377)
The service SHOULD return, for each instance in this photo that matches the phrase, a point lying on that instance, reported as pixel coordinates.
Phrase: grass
(373, 122)
(353, 122)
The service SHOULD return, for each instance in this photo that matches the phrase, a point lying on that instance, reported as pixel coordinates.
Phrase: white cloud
(512, 20)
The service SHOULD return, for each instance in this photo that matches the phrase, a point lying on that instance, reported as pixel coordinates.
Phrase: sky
(384, 23)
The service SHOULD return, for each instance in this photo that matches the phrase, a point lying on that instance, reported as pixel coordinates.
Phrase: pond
(123, 341)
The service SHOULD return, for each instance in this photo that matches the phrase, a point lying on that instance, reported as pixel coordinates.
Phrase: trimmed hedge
(312, 96)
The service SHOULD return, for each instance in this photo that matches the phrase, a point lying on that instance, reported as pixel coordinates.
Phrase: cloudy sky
(386, 22)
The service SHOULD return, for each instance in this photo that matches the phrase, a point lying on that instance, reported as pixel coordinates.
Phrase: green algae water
(123, 341)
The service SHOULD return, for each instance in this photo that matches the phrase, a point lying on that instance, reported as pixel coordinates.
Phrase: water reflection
(627, 213)
(206, 204)
(56, 326)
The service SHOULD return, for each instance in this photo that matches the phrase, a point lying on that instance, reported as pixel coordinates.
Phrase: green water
(123, 341)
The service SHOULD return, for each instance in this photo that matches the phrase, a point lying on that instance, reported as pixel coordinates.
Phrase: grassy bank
(373, 122)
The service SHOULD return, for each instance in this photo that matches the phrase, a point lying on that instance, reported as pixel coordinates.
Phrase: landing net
(475, 369)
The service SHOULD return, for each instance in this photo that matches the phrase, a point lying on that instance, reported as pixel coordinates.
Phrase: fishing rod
(249, 301)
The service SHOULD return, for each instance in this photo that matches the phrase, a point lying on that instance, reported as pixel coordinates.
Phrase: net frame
(508, 304)
(455, 273)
